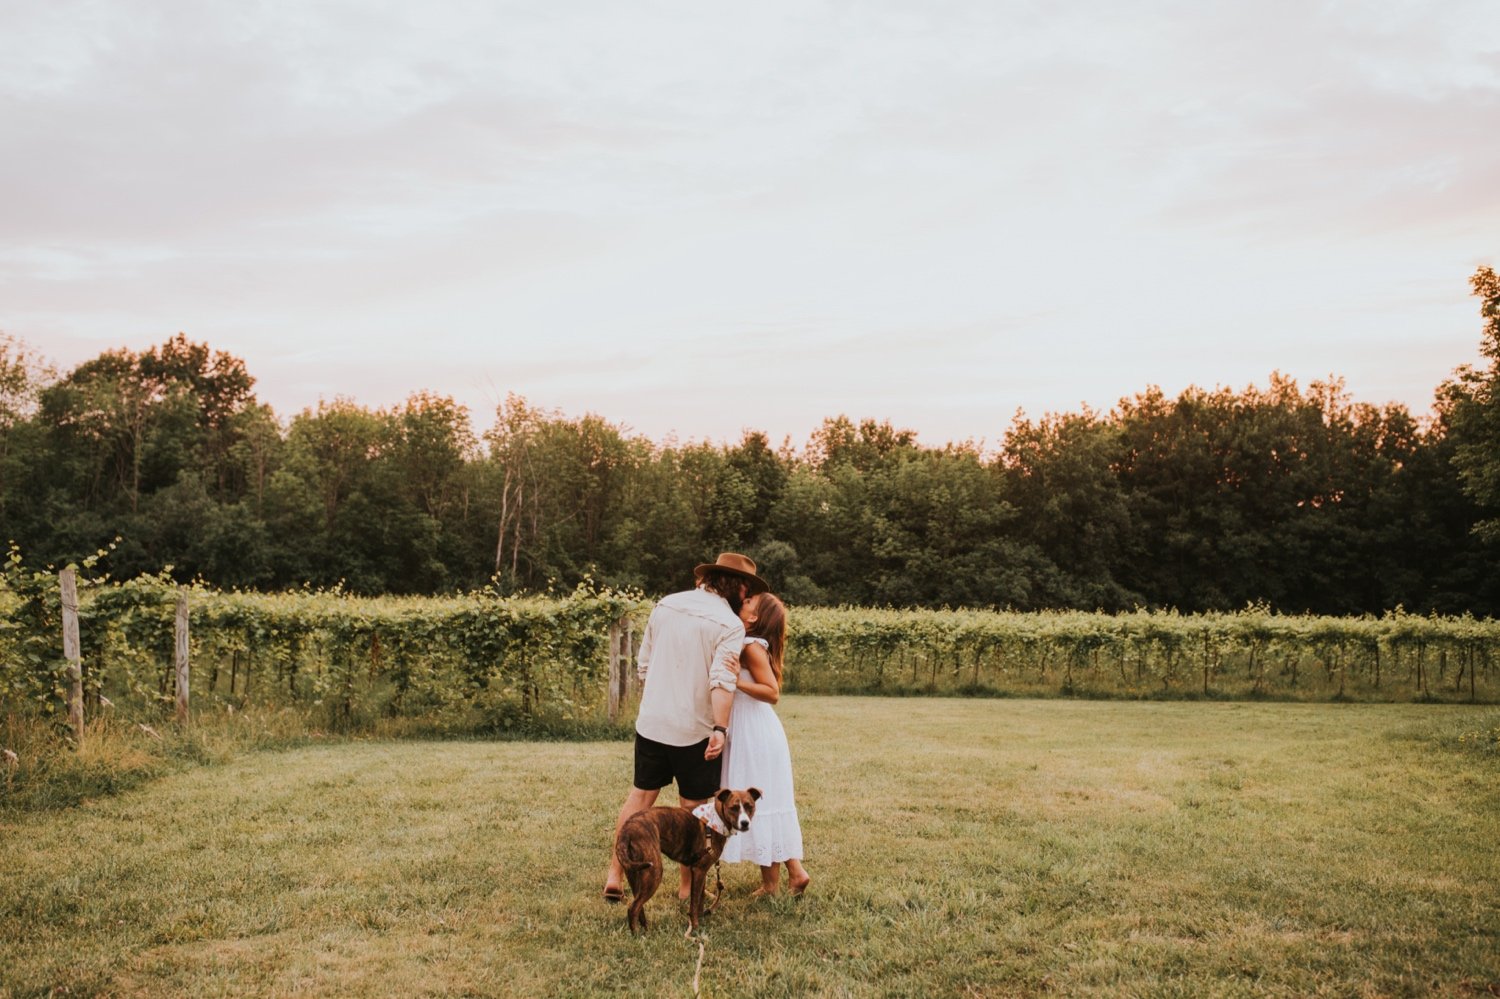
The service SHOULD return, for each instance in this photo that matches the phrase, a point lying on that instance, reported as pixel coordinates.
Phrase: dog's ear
(754, 793)
(723, 795)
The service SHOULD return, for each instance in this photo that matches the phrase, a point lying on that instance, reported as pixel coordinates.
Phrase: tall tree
(23, 375)
(1061, 474)
(1472, 403)
(513, 445)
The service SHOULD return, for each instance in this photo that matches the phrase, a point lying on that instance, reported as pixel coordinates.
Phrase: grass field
(958, 848)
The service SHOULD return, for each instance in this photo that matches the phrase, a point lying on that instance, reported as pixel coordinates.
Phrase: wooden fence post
(181, 657)
(67, 581)
(614, 672)
(619, 666)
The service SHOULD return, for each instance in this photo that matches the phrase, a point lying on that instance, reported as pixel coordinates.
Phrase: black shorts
(657, 765)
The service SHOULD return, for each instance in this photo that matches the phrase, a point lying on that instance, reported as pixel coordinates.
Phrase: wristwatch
(721, 728)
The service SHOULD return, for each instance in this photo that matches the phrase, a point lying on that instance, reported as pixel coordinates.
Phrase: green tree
(118, 429)
(658, 537)
(517, 485)
(324, 504)
(1060, 473)
(941, 533)
(559, 489)
(23, 375)
(1471, 404)
(840, 442)
(216, 387)
(766, 473)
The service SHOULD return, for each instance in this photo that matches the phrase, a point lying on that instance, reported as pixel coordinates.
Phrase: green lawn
(959, 848)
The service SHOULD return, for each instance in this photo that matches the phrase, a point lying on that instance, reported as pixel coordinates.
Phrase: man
(689, 662)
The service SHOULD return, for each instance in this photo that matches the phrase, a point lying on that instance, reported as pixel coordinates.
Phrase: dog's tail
(631, 856)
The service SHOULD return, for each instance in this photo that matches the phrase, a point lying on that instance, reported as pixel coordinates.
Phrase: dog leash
(702, 946)
(718, 888)
(703, 940)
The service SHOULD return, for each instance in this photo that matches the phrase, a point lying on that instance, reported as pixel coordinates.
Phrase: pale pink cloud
(933, 214)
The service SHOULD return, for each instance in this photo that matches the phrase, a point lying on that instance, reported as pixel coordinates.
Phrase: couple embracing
(711, 662)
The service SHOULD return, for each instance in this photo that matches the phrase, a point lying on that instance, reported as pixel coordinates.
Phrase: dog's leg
(718, 888)
(695, 900)
(633, 914)
(650, 879)
(633, 910)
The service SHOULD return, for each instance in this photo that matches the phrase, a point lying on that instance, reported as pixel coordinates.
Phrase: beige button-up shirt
(691, 645)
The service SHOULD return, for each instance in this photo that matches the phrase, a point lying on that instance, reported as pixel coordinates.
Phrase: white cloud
(930, 213)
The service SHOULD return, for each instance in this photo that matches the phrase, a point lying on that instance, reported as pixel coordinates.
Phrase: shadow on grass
(49, 771)
(1466, 733)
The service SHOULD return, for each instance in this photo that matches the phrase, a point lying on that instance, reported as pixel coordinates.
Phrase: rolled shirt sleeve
(688, 648)
(722, 673)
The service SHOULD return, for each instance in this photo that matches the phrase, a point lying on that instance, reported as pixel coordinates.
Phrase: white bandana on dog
(710, 817)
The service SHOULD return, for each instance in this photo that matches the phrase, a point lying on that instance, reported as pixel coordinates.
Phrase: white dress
(758, 756)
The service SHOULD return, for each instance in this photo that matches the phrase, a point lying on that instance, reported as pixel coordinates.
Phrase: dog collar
(710, 817)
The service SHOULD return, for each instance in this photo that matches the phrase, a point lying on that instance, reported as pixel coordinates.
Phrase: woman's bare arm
(756, 677)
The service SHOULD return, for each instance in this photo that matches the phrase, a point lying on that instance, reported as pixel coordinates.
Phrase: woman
(757, 754)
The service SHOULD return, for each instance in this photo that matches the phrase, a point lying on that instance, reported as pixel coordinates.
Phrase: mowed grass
(958, 848)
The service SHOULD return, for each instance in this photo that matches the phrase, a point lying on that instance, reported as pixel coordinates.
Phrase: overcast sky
(703, 217)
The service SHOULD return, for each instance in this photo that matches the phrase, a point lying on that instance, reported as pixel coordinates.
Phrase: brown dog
(685, 837)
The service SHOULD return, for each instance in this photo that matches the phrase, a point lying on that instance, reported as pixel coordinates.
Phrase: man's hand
(715, 746)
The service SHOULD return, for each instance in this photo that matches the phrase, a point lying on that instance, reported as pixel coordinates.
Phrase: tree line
(1296, 498)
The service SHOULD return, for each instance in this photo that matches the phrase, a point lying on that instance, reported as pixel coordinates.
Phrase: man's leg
(698, 776)
(637, 800)
(685, 885)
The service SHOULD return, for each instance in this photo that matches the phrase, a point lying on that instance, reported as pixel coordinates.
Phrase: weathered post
(619, 666)
(181, 657)
(616, 678)
(67, 581)
(631, 685)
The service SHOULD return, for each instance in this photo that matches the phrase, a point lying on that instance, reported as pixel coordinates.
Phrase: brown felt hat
(739, 565)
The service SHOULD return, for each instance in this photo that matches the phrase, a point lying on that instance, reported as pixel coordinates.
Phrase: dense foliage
(479, 662)
(1294, 497)
(482, 662)
(1248, 653)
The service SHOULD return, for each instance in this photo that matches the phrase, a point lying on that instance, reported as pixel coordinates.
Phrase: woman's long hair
(770, 624)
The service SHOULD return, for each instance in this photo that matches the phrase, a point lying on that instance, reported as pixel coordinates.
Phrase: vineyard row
(481, 663)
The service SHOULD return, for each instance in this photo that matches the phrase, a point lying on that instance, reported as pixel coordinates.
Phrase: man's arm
(643, 658)
(723, 676)
(724, 671)
(722, 700)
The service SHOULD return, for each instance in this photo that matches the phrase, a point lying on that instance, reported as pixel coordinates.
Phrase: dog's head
(737, 808)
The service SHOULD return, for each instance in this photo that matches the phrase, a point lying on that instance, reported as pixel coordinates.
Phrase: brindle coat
(675, 832)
